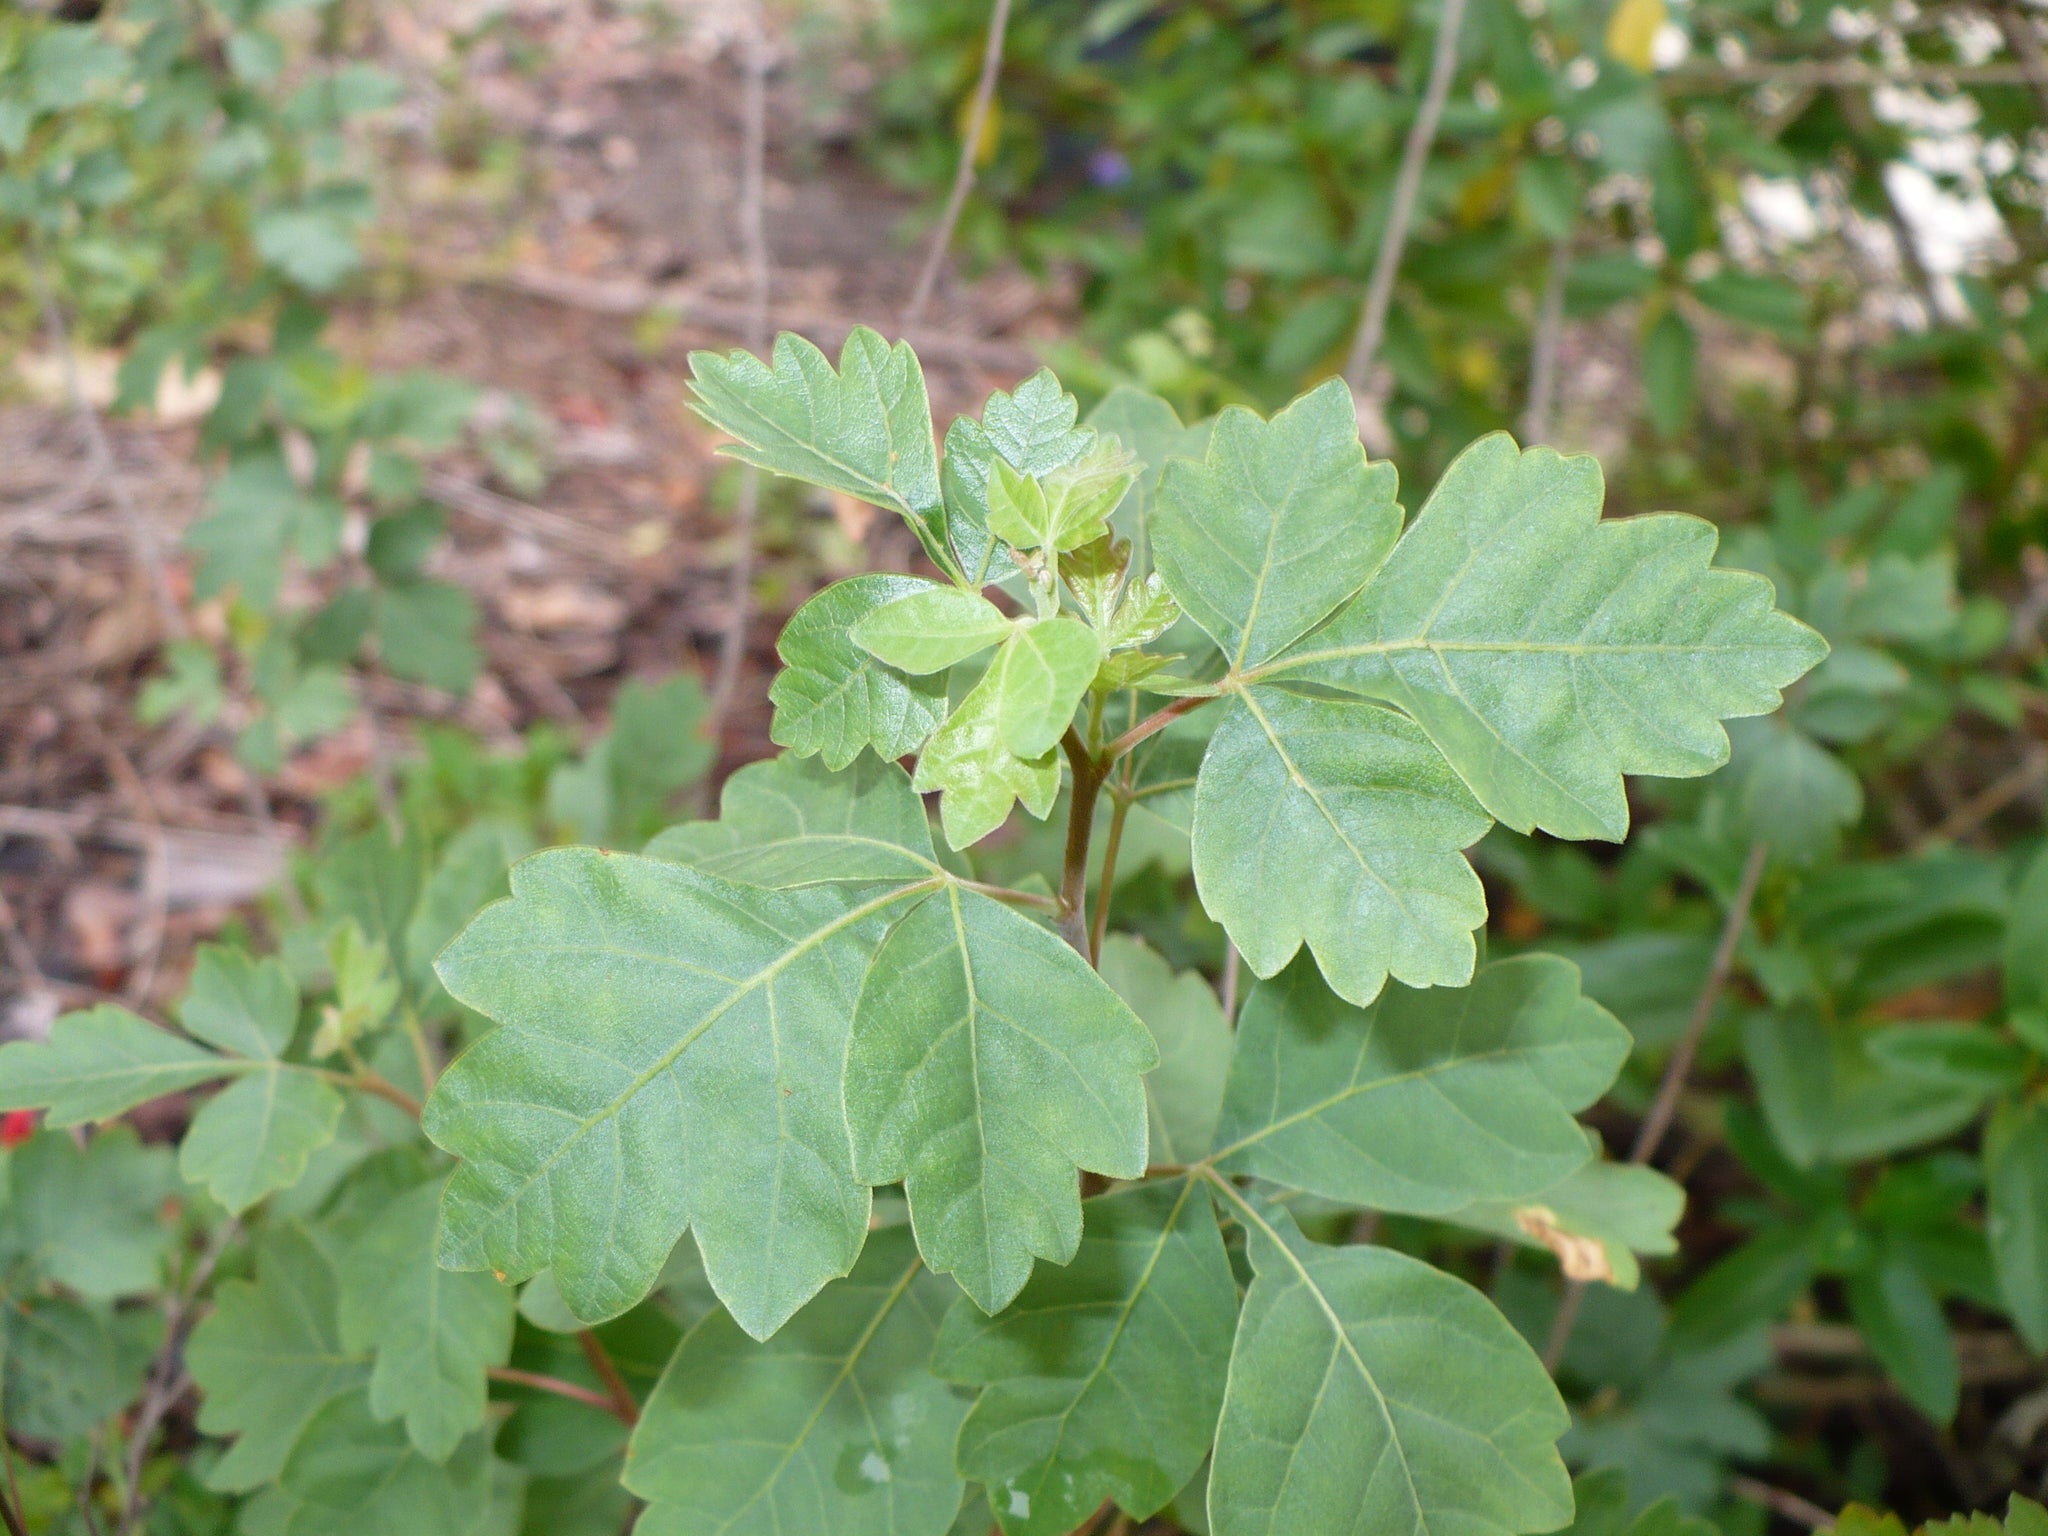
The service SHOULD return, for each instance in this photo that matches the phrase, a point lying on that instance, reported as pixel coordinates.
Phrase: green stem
(1105, 887)
(608, 1373)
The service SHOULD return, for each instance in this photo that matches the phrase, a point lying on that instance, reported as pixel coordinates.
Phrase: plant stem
(513, 1376)
(1088, 776)
(1154, 723)
(963, 174)
(1379, 293)
(367, 1081)
(615, 1386)
(1004, 893)
(1549, 339)
(1664, 1108)
(1119, 809)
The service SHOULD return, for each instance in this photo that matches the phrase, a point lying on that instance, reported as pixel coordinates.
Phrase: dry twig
(963, 175)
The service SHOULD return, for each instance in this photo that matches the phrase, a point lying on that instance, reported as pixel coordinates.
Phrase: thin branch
(1379, 293)
(1844, 73)
(142, 532)
(1106, 882)
(1664, 1108)
(2025, 43)
(1548, 342)
(963, 174)
(1994, 797)
(514, 1377)
(620, 1394)
(1233, 966)
(1088, 776)
(1782, 1502)
(732, 647)
(1048, 904)
(1154, 723)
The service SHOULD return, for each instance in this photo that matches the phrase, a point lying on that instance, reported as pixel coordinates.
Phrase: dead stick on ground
(963, 175)
(732, 647)
(1664, 1108)
(141, 532)
(1379, 293)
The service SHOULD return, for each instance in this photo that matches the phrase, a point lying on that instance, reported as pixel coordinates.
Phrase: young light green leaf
(1094, 573)
(1369, 1392)
(1337, 824)
(1146, 612)
(1281, 522)
(348, 1474)
(1033, 432)
(270, 1355)
(246, 1006)
(98, 1063)
(1039, 676)
(1184, 1093)
(1150, 429)
(977, 777)
(836, 1424)
(433, 1332)
(2016, 1208)
(788, 821)
(986, 1064)
(928, 630)
(89, 1217)
(1064, 508)
(832, 698)
(1104, 1378)
(669, 1057)
(256, 1135)
(1425, 1101)
(1547, 652)
(366, 989)
(865, 430)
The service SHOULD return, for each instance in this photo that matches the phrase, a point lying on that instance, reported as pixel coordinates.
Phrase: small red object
(16, 1126)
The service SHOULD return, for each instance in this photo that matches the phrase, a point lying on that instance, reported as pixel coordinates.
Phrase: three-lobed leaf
(1184, 1093)
(1548, 652)
(930, 630)
(987, 1064)
(670, 1058)
(1039, 677)
(832, 699)
(1032, 430)
(977, 778)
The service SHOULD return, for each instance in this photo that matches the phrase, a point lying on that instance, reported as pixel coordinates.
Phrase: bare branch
(963, 176)
(1549, 339)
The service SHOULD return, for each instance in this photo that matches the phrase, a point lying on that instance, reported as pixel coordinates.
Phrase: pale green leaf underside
(788, 822)
(1277, 525)
(1104, 1378)
(349, 1474)
(865, 430)
(1547, 652)
(1370, 1393)
(977, 777)
(987, 1063)
(100, 1062)
(834, 1425)
(433, 1332)
(929, 631)
(270, 1354)
(1337, 824)
(243, 1005)
(1184, 1093)
(832, 699)
(1625, 1208)
(670, 1057)
(254, 1136)
(1427, 1100)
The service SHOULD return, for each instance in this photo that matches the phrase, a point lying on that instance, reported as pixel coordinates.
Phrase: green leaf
(836, 1424)
(1766, 302)
(1033, 432)
(1064, 508)
(928, 630)
(313, 245)
(987, 1063)
(468, 875)
(1596, 1220)
(89, 1217)
(1547, 652)
(1184, 1093)
(1104, 1378)
(1902, 1322)
(1337, 824)
(433, 1332)
(426, 633)
(1670, 366)
(1427, 1100)
(98, 1063)
(1369, 1392)
(255, 1136)
(2026, 944)
(1785, 789)
(244, 1005)
(977, 777)
(789, 822)
(1039, 676)
(1150, 429)
(669, 1057)
(1281, 522)
(69, 1366)
(349, 1474)
(256, 514)
(832, 698)
(2016, 1214)
(270, 1354)
(865, 430)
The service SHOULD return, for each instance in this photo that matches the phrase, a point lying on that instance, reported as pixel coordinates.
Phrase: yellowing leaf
(1632, 29)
